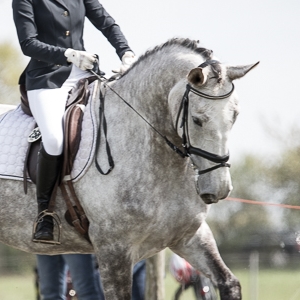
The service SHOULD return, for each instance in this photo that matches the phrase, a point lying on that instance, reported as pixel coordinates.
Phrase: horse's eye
(197, 121)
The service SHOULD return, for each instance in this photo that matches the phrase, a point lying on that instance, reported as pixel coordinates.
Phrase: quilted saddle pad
(15, 127)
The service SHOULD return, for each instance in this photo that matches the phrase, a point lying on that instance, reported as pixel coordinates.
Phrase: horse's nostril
(209, 198)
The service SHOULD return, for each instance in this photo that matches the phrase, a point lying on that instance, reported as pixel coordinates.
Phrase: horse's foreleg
(202, 253)
(116, 272)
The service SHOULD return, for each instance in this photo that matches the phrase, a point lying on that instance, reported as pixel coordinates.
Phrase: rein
(188, 148)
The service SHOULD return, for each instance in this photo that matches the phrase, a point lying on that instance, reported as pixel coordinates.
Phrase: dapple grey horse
(153, 198)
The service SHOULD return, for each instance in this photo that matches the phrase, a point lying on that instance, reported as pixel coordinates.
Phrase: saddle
(77, 100)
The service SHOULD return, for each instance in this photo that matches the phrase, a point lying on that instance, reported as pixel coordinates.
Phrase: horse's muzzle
(209, 198)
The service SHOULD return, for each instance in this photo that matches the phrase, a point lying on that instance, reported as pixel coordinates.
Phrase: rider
(50, 32)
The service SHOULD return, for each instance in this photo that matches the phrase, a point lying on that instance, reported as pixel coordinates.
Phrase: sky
(239, 32)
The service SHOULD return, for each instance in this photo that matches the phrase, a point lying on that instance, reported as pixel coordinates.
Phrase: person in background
(52, 273)
(52, 277)
(139, 281)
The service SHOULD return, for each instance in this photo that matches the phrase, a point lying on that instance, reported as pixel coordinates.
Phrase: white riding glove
(127, 60)
(80, 59)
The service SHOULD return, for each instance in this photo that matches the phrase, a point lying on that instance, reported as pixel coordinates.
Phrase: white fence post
(254, 272)
(155, 283)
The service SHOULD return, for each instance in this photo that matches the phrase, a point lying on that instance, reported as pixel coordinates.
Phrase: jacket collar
(62, 2)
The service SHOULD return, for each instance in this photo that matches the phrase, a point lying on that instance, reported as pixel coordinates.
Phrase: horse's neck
(146, 88)
(148, 84)
(157, 74)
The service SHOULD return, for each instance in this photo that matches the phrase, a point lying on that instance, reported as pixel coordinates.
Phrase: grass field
(272, 285)
(17, 287)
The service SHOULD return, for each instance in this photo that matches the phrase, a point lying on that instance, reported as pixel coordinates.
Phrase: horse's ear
(237, 72)
(197, 76)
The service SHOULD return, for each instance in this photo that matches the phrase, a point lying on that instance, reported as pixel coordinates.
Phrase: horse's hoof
(209, 198)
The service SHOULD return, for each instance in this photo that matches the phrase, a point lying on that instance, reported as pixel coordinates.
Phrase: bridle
(184, 109)
(188, 148)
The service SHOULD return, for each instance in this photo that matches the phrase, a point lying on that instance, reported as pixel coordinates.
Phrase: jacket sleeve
(23, 14)
(100, 18)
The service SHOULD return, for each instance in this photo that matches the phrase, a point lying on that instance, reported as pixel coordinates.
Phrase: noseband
(188, 148)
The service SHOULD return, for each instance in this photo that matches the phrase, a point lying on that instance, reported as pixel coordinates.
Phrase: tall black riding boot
(48, 167)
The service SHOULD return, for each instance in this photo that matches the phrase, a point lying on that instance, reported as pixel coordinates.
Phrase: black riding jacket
(46, 28)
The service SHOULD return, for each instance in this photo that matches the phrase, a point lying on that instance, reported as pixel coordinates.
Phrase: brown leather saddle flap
(77, 101)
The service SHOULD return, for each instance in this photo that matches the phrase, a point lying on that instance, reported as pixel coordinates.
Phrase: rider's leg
(48, 108)
(48, 167)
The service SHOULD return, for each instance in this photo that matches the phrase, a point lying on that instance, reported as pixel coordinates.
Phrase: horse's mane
(184, 42)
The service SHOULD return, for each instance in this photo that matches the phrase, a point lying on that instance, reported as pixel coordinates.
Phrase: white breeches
(48, 107)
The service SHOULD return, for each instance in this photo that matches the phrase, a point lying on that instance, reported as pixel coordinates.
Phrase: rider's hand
(127, 60)
(80, 59)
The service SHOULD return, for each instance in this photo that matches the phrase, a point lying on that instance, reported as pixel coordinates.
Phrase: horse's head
(204, 118)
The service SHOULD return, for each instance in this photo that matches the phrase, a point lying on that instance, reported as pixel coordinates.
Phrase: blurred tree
(232, 223)
(12, 64)
(284, 177)
(266, 180)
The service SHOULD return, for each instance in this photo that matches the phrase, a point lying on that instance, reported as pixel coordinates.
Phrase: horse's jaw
(212, 187)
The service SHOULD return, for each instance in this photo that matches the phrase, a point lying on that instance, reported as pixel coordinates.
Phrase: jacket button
(66, 13)
(67, 33)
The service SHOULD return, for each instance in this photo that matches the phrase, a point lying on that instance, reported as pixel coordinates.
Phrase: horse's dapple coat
(149, 201)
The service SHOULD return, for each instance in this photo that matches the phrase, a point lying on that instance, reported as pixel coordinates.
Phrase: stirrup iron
(56, 221)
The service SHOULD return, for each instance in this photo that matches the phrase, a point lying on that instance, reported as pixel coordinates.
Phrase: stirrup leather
(56, 222)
